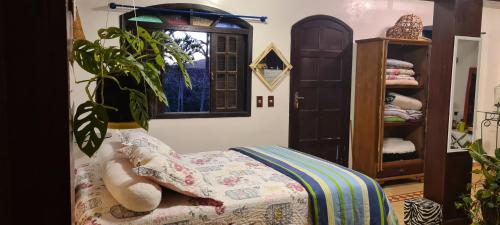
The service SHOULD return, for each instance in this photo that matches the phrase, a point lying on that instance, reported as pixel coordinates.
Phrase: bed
(257, 186)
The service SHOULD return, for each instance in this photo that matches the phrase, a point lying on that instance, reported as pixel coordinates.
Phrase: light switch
(270, 101)
(260, 101)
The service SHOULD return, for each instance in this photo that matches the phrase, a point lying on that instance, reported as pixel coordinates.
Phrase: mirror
(271, 67)
(463, 96)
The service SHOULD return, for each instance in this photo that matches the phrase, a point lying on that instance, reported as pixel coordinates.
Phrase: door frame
(294, 57)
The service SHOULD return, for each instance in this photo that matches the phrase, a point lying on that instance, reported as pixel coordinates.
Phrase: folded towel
(397, 145)
(408, 72)
(394, 119)
(394, 63)
(399, 77)
(404, 102)
(401, 82)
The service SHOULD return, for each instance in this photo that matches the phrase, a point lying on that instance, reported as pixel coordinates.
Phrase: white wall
(368, 18)
(490, 66)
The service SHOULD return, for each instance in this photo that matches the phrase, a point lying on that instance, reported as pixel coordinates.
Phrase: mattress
(252, 192)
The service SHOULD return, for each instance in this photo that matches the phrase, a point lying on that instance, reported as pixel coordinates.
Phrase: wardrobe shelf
(403, 124)
(399, 163)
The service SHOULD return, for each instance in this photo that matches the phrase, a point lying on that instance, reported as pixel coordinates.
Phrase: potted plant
(482, 205)
(140, 57)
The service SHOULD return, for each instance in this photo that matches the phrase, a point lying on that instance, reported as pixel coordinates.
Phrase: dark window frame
(246, 30)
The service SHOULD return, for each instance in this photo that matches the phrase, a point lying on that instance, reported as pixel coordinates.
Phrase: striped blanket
(338, 195)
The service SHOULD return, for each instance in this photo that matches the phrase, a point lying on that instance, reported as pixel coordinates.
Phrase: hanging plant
(140, 56)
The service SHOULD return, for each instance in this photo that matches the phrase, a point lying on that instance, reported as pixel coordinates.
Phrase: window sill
(189, 115)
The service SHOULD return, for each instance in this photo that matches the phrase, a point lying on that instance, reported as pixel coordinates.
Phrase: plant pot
(119, 99)
(490, 215)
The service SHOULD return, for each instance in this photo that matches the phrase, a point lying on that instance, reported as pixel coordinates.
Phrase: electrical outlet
(270, 101)
(260, 101)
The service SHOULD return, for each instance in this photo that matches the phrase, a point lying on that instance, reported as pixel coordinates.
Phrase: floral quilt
(252, 192)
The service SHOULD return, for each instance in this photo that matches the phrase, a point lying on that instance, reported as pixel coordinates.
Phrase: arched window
(221, 52)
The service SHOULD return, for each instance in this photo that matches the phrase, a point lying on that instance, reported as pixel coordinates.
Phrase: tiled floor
(398, 191)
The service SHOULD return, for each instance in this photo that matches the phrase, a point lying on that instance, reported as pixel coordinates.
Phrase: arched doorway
(320, 87)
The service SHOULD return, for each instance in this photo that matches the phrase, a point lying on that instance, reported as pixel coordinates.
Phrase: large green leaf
(110, 33)
(153, 80)
(84, 53)
(477, 146)
(187, 79)
(135, 42)
(90, 126)
(139, 108)
(497, 153)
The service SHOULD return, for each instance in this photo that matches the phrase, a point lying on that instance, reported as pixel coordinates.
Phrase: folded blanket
(401, 82)
(397, 145)
(404, 102)
(399, 77)
(338, 195)
(414, 114)
(394, 119)
(390, 71)
(393, 111)
(394, 63)
(396, 111)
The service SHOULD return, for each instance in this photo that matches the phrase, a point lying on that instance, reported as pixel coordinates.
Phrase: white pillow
(140, 138)
(133, 192)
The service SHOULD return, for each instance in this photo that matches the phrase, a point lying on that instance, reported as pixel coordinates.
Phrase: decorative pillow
(133, 192)
(169, 171)
(140, 138)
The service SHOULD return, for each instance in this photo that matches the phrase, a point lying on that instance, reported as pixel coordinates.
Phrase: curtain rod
(226, 15)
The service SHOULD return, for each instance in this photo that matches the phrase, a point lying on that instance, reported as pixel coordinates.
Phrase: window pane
(180, 98)
(232, 44)
(221, 62)
(231, 81)
(227, 25)
(231, 62)
(231, 99)
(221, 44)
(200, 21)
(220, 81)
(220, 100)
(177, 19)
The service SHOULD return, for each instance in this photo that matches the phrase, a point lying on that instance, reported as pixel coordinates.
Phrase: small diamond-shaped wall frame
(271, 67)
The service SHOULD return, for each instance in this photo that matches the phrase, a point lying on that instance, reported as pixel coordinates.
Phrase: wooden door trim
(294, 58)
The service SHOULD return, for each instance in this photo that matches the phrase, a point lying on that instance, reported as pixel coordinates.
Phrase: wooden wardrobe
(369, 126)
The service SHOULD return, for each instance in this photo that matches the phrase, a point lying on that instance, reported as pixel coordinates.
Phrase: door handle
(335, 138)
(337, 156)
(297, 98)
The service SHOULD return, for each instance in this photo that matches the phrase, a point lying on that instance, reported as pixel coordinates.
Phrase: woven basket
(407, 27)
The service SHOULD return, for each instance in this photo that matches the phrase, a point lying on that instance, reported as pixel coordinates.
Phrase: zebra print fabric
(422, 212)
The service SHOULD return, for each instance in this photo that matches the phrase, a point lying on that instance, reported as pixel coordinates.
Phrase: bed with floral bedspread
(252, 192)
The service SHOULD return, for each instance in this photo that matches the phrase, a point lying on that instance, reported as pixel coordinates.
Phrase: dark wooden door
(320, 88)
